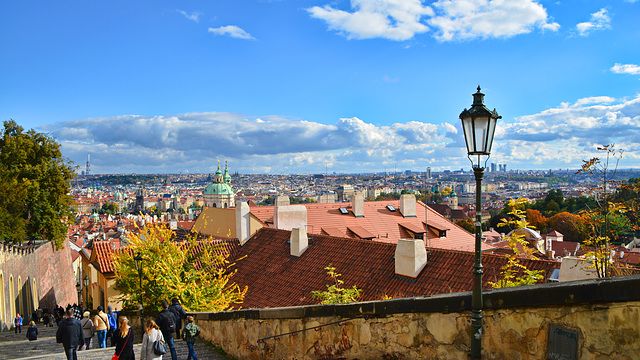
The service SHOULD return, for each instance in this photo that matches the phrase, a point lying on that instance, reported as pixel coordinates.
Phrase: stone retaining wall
(604, 313)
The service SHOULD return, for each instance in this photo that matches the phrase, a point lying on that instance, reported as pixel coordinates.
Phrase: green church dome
(218, 189)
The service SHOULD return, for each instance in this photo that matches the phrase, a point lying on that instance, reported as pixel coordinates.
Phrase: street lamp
(138, 260)
(479, 125)
(86, 286)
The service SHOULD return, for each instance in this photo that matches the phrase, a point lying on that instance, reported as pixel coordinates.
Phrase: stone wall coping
(606, 290)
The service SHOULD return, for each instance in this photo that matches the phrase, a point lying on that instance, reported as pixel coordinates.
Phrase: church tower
(220, 193)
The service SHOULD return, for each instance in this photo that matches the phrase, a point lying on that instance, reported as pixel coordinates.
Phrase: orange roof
(383, 224)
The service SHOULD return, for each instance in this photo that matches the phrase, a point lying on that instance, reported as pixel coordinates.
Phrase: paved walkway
(16, 346)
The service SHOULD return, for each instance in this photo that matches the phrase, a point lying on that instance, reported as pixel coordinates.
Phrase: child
(189, 334)
(17, 321)
(32, 331)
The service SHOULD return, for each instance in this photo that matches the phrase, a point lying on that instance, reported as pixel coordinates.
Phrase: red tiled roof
(382, 223)
(275, 278)
(103, 251)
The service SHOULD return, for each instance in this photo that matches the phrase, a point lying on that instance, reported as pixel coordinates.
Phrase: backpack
(168, 326)
(112, 322)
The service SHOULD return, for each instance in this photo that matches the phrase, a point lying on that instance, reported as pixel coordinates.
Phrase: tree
(536, 219)
(513, 272)
(571, 226)
(110, 208)
(599, 220)
(36, 178)
(335, 293)
(196, 271)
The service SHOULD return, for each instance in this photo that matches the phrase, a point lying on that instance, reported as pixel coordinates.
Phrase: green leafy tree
(514, 273)
(196, 271)
(336, 293)
(110, 208)
(36, 178)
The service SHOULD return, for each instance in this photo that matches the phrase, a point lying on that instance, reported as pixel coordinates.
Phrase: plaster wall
(516, 325)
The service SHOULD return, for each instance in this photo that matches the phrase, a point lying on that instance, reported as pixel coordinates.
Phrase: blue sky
(292, 86)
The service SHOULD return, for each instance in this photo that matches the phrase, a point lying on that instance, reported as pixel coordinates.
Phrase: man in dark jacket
(167, 323)
(179, 313)
(70, 335)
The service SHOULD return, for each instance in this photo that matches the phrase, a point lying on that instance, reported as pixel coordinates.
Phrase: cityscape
(320, 179)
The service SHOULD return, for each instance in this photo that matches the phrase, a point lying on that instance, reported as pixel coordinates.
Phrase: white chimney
(408, 205)
(243, 216)
(299, 241)
(290, 216)
(357, 204)
(411, 257)
(282, 200)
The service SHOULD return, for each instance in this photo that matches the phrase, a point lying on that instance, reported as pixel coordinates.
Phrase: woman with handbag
(88, 329)
(123, 338)
(152, 342)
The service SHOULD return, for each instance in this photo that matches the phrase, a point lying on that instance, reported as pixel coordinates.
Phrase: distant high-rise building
(428, 173)
(493, 167)
(87, 169)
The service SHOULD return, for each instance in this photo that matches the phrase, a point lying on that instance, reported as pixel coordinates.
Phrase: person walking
(113, 323)
(17, 322)
(124, 340)
(101, 321)
(179, 313)
(32, 331)
(88, 329)
(189, 334)
(70, 335)
(167, 323)
(151, 335)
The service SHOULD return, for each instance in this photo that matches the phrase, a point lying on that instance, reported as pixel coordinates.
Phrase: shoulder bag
(158, 345)
(116, 357)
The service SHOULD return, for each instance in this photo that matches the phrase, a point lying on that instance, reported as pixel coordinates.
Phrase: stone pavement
(16, 346)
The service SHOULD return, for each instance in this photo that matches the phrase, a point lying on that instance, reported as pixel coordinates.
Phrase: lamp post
(79, 290)
(479, 125)
(86, 286)
(138, 260)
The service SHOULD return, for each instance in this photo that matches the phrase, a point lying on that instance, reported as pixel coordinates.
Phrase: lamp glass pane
(481, 126)
(490, 132)
(467, 127)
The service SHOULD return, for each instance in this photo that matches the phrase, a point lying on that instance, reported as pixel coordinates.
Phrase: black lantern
(479, 126)
(86, 286)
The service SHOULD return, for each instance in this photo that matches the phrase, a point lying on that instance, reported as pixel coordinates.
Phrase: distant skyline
(284, 86)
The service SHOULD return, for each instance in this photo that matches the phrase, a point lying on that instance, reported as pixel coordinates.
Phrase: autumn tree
(196, 271)
(336, 293)
(513, 272)
(536, 219)
(571, 226)
(601, 220)
(35, 186)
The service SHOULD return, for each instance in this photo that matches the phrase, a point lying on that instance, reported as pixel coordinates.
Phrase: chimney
(357, 204)
(243, 216)
(299, 241)
(290, 216)
(282, 200)
(411, 257)
(408, 205)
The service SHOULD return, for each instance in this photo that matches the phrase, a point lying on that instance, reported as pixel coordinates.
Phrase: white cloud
(233, 31)
(193, 16)
(191, 141)
(599, 21)
(626, 69)
(557, 137)
(464, 19)
(450, 19)
(390, 19)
